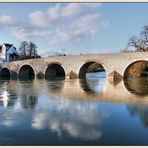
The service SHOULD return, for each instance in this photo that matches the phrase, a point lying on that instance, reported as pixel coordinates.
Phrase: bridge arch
(5, 73)
(84, 67)
(54, 70)
(137, 68)
(26, 71)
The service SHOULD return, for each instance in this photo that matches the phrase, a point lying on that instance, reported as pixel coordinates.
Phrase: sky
(76, 27)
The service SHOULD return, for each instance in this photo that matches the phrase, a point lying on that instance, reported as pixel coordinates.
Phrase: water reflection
(55, 86)
(28, 102)
(70, 111)
(92, 85)
(130, 91)
(94, 82)
(138, 86)
(76, 118)
(8, 96)
(140, 111)
(5, 95)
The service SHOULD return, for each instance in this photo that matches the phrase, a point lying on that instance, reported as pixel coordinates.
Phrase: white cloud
(59, 13)
(7, 21)
(12, 23)
(61, 24)
(54, 14)
(77, 31)
(28, 34)
(39, 19)
(77, 9)
(69, 23)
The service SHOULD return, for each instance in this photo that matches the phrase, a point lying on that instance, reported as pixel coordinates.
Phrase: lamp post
(63, 50)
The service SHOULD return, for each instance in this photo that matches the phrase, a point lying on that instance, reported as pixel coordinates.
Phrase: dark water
(74, 112)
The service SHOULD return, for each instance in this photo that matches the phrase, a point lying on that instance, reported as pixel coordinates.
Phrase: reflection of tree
(28, 101)
(141, 112)
(138, 86)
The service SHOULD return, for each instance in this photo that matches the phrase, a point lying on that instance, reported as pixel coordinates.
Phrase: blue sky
(76, 27)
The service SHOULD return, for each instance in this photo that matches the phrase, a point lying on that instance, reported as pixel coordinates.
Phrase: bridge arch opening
(136, 69)
(92, 77)
(135, 77)
(26, 72)
(4, 73)
(54, 71)
(91, 67)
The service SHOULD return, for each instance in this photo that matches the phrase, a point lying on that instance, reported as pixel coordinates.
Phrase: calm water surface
(74, 112)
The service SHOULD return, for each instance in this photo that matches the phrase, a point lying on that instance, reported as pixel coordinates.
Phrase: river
(74, 112)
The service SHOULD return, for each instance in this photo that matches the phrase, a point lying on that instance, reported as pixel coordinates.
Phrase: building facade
(8, 53)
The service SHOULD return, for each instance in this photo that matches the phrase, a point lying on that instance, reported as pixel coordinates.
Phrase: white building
(7, 53)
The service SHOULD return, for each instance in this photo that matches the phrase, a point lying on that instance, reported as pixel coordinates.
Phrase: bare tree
(140, 43)
(23, 49)
(27, 50)
(32, 50)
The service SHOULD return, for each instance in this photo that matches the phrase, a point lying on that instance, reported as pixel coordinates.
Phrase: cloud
(59, 13)
(77, 31)
(60, 24)
(69, 23)
(13, 24)
(39, 19)
(7, 21)
(76, 9)
(28, 34)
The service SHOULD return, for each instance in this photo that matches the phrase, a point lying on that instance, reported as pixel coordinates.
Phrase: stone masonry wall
(71, 64)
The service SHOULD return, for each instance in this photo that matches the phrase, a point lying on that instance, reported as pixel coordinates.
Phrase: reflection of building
(7, 53)
(4, 97)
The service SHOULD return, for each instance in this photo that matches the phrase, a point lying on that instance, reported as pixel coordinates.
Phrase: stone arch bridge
(73, 66)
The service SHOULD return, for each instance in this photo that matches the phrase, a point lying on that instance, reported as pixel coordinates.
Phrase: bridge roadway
(74, 66)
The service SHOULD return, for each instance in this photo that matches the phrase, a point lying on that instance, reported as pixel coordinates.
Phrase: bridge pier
(13, 75)
(40, 75)
(72, 75)
(114, 77)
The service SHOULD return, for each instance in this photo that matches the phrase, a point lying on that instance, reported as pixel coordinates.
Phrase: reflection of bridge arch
(54, 70)
(5, 73)
(84, 67)
(135, 69)
(137, 86)
(26, 71)
(92, 86)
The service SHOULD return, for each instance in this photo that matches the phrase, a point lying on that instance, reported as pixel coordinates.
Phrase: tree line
(27, 50)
